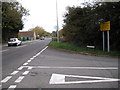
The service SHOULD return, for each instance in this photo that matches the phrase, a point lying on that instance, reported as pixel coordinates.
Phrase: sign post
(103, 41)
(108, 39)
(105, 27)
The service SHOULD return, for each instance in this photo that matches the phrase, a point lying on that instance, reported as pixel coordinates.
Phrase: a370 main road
(37, 65)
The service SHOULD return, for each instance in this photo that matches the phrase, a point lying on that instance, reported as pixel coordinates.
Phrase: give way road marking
(60, 79)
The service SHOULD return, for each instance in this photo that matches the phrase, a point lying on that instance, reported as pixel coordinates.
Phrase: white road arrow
(60, 79)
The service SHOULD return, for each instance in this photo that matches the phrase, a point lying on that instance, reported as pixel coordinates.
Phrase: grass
(82, 50)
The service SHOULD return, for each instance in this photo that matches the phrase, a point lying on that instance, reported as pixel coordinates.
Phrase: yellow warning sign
(105, 26)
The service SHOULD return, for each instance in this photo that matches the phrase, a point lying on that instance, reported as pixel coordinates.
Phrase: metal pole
(57, 21)
(103, 41)
(108, 41)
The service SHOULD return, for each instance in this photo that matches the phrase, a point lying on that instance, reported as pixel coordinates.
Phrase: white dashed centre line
(25, 64)
(29, 61)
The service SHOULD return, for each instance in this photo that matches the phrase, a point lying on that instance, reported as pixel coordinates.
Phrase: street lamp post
(57, 22)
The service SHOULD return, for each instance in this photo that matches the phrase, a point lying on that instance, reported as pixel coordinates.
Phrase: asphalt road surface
(35, 65)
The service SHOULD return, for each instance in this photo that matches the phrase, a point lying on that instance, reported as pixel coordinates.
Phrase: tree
(12, 14)
(40, 31)
(82, 25)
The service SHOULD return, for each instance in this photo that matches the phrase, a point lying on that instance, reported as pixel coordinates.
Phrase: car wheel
(8, 45)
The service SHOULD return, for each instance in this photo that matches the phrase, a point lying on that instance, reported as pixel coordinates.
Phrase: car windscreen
(12, 40)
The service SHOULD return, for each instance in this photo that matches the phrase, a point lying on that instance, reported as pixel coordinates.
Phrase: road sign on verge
(105, 26)
(60, 79)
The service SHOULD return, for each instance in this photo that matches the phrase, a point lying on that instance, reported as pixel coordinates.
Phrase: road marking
(21, 46)
(43, 49)
(34, 56)
(29, 68)
(29, 61)
(60, 79)
(12, 87)
(4, 50)
(20, 68)
(6, 79)
(93, 68)
(25, 64)
(19, 79)
(25, 73)
(31, 58)
(15, 72)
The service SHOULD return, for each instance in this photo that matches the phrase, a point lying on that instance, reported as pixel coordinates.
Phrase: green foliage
(12, 14)
(82, 25)
(81, 50)
(40, 31)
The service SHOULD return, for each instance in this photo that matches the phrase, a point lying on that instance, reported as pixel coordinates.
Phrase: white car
(14, 41)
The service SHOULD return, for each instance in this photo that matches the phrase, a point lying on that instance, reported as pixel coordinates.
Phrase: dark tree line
(82, 25)
(12, 22)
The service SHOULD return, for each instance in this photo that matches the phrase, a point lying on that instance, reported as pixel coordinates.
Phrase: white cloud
(43, 12)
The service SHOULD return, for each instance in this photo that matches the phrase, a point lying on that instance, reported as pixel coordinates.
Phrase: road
(36, 65)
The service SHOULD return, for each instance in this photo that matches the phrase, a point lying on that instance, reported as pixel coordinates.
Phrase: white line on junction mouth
(92, 68)
(12, 87)
(26, 72)
(19, 79)
(20, 68)
(6, 79)
(14, 72)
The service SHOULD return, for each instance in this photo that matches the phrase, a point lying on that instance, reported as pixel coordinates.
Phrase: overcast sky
(43, 13)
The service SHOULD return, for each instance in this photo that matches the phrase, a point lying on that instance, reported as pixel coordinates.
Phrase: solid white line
(25, 64)
(19, 79)
(25, 73)
(20, 68)
(6, 79)
(15, 72)
(12, 87)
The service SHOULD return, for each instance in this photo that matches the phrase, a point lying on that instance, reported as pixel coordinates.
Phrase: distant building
(27, 35)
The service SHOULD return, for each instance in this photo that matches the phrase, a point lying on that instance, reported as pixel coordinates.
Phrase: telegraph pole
(57, 22)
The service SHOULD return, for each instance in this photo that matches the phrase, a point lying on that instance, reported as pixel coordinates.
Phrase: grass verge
(82, 50)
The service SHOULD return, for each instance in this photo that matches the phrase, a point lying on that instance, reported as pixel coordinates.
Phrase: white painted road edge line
(12, 87)
(14, 72)
(6, 79)
(19, 79)
(26, 72)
